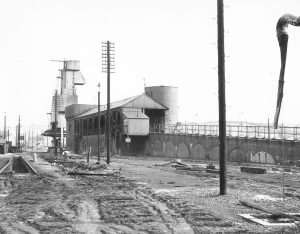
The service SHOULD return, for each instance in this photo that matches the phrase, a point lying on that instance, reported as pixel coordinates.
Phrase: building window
(90, 126)
(96, 123)
(77, 126)
(84, 125)
(102, 124)
(119, 119)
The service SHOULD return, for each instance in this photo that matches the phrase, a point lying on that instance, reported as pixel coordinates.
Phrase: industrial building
(130, 118)
(70, 76)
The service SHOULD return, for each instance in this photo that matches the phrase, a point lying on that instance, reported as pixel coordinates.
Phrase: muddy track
(51, 202)
(128, 210)
(150, 199)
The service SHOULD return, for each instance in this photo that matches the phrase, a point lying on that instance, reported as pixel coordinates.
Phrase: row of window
(91, 124)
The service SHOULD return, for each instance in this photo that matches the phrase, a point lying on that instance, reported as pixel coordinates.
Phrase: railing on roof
(261, 132)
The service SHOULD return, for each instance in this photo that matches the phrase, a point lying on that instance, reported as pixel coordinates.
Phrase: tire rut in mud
(142, 213)
(106, 204)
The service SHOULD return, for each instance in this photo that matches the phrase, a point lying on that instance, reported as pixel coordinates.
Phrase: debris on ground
(275, 214)
(139, 195)
(210, 166)
(254, 170)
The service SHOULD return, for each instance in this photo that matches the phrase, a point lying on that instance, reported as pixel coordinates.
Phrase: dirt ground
(140, 195)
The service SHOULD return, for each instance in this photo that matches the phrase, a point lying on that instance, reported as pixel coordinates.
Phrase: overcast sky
(167, 42)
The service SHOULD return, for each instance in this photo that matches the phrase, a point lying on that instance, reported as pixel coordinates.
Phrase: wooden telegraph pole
(107, 67)
(4, 127)
(19, 135)
(55, 123)
(222, 103)
(99, 132)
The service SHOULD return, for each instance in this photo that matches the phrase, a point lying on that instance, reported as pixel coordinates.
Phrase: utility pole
(55, 123)
(32, 139)
(61, 135)
(8, 134)
(16, 136)
(37, 141)
(19, 135)
(108, 65)
(28, 140)
(99, 132)
(268, 129)
(222, 102)
(49, 126)
(4, 135)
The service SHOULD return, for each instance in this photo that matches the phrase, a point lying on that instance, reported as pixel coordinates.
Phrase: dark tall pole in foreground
(222, 103)
(99, 132)
(107, 66)
(108, 104)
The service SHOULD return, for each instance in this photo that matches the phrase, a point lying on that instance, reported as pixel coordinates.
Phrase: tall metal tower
(108, 65)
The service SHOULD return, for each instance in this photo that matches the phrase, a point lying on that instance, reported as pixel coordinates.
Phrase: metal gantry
(108, 65)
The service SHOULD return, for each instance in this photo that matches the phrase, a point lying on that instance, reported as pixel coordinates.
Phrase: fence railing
(263, 132)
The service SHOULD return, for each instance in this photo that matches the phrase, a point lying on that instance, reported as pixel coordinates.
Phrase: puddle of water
(22, 174)
(266, 197)
(68, 178)
(165, 190)
(141, 183)
(173, 190)
(266, 220)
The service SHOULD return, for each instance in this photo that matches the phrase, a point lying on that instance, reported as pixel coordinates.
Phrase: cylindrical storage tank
(168, 96)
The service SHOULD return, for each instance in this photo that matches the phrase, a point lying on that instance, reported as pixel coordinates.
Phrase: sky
(165, 42)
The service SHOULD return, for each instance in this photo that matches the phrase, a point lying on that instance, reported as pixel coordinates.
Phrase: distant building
(70, 76)
(131, 117)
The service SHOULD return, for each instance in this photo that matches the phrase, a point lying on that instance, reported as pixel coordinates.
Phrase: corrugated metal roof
(139, 101)
(144, 101)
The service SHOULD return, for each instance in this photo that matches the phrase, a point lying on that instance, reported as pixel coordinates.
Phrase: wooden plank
(254, 170)
(275, 214)
(3, 169)
(214, 171)
(89, 173)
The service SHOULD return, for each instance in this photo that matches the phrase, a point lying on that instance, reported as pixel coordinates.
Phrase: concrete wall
(237, 149)
(198, 147)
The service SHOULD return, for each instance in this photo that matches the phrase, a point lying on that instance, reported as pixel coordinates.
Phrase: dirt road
(135, 195)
